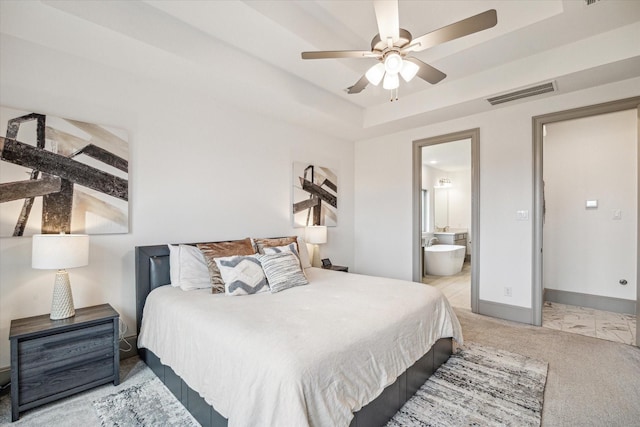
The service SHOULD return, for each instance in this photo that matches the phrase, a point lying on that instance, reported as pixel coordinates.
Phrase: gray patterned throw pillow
(282, 270)
(242, 275)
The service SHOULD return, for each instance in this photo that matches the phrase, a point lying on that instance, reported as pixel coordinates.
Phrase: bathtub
(443, 260)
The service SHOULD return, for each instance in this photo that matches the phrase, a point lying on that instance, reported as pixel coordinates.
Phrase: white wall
(200, 170)
(383, 182)
(587, 250)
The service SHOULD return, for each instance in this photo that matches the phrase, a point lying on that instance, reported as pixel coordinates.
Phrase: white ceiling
(454, 156)
(248, 52)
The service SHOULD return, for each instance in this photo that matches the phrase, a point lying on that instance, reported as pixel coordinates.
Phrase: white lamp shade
(375, 74)
(316, 234)
(59, 251)
(391, 81)
(409, 71)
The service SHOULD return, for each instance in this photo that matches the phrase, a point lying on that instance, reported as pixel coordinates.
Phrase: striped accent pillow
(282, 270)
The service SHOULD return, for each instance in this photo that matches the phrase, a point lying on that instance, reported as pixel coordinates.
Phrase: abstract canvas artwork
(315, 195)
(61, 175)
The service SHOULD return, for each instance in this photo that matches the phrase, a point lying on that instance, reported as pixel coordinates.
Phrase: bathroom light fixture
(444, 183)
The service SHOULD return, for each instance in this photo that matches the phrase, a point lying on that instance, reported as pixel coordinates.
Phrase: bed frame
(152, 271)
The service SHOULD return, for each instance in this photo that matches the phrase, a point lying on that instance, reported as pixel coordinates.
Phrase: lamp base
(62, 303)
(315, 258)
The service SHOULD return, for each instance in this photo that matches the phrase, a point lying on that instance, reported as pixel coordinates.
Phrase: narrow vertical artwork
(314, 195)
(61, 175)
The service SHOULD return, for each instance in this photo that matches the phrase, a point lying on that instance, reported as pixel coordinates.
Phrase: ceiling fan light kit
(409, 70)
(392, 63)
(392, 45)
(391, 81)
(375, 74)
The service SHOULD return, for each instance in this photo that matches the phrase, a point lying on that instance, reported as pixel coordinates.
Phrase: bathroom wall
(460, 199)
(429, 178)
(589, 250)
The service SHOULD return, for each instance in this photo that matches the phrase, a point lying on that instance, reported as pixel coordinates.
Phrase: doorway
(436, 203)
(601, 209)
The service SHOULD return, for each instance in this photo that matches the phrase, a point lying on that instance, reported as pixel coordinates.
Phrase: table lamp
(316, 235)
(58, 252)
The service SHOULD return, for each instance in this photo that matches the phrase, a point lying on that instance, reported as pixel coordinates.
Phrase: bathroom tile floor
(456, 288)
(579, 320)
(605, 325)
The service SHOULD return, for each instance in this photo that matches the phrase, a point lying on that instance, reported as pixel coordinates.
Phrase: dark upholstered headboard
(152, 270)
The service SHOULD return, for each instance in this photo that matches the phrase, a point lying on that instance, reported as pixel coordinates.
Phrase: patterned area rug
(479, 386)
(145, 404)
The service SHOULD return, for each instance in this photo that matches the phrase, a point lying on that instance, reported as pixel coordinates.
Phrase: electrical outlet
(507, 291)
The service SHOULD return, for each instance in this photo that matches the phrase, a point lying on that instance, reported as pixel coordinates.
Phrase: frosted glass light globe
(393, 63)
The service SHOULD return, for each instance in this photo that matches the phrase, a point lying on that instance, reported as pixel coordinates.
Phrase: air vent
(590, 2)
(522, 93)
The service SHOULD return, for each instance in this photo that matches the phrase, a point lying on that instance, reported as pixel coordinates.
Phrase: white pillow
(282, 270)
(188, 268)
(303, 253)
(242, 275)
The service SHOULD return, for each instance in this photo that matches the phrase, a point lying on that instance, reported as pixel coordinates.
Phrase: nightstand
(52, 359)
(337, 268)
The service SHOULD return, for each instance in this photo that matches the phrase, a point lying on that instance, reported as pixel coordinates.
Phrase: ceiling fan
(392, 45)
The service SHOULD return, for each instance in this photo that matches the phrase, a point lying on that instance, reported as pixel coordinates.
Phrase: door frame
(474, 234)
(538, 123)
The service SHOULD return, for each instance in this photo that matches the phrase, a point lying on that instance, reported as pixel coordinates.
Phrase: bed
(345, 361)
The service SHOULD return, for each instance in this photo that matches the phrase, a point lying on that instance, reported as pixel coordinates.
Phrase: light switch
(591, 204)
(522, 215)
(617, 214)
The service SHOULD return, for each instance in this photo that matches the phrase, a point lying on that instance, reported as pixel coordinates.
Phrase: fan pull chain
(391, 98)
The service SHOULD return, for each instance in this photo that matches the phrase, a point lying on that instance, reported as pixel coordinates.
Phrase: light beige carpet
(590, 382)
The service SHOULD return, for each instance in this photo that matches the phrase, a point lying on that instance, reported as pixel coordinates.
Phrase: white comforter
(307, 356)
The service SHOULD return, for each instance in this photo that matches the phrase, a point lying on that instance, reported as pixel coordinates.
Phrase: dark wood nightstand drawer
(52, 359)
(66, 378)
(40, 354)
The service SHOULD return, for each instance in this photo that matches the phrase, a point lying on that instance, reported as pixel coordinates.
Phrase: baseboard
(130, 350)
(125, 352)
(616, 305)
(5, 378)
(505, 311)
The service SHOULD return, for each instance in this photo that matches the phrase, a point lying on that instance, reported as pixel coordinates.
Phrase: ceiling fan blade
(471, 25)
(426, 72)
(327, 54)
(388, 19)
(359, 86)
